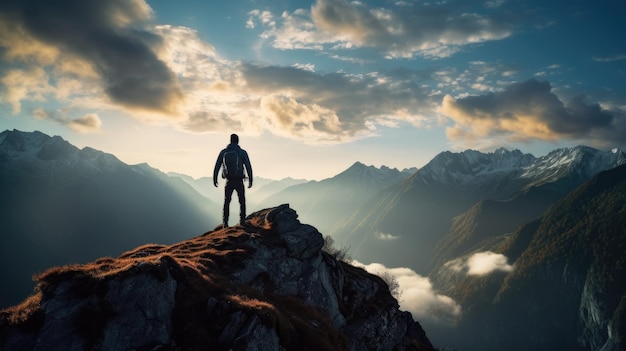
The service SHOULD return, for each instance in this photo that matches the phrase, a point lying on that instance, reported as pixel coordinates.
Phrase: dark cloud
(107, 35)
(531, 109)
(402, 29)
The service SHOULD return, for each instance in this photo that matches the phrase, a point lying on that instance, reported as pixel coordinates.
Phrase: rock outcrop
(263, 286)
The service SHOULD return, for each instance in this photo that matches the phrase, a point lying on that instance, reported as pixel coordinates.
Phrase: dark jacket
(244, 157)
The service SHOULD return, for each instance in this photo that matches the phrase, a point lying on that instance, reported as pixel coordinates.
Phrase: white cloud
(484, 263)
(618, 57)
(386, 236)
(481, 263)
(417, 294)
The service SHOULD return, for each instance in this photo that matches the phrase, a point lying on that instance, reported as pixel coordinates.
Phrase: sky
(313, 86)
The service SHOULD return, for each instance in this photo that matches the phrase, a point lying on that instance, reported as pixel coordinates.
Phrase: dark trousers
(234, 185)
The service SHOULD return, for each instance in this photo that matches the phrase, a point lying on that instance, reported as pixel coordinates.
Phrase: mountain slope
(62, 205)
(419, 211)
(265, 286)
(328, 201)
(568, 286)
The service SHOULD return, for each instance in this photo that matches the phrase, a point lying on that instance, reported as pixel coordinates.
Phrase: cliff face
(264, 286)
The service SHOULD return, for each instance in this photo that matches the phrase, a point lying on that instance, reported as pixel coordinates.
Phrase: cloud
(21, 84)
(85, 124)
(530, 110)
(94, 55)
(204, 121)
(481, 263)
(294, 101)
(386, 236)
(618, 57)
(165, 73)
(402, 30)
(417, 294)
(293, 118)
(337, 106)
(106, 37)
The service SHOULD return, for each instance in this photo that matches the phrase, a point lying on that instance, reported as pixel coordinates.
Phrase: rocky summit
(266, 285)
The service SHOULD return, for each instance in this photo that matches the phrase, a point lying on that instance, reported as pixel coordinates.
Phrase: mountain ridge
(328, 200)
(422, 207)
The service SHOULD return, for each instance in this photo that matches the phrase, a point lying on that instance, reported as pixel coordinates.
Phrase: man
(232, 160)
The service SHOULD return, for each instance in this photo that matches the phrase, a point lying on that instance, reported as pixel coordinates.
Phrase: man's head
(234, 139)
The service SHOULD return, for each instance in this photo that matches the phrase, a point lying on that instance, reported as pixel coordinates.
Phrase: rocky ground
(263, 286)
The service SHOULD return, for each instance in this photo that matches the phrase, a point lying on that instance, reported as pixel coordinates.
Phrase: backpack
(232, 165)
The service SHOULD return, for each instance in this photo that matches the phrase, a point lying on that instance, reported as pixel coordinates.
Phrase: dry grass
(27, 314)
(201, 267)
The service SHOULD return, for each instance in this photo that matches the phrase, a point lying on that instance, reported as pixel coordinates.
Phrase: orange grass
(201, 267)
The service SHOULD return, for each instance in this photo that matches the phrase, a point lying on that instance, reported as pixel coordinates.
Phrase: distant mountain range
(61, 205)
(325, 202)
(328, 201)
(261, 189)
(411, 218)
(550, 230)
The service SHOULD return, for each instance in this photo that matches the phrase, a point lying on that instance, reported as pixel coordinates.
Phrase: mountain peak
(581, 160)
(369, 177)
(22, 142)
(357, 166)
(472, 163)
(357, 169)
(266, 284)
(35, 144)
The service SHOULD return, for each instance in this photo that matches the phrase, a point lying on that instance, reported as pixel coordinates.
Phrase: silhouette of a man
(232, 160)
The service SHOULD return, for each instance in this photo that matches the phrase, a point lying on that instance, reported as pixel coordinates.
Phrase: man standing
(233, 159)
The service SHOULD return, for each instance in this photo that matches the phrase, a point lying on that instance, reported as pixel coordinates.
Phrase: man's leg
(241, 194)
(228, 194)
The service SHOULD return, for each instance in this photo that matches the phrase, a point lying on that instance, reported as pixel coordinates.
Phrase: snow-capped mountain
(464, 167)
(472, 169)
(581, 161)
(543, 182)
(37, 150)
(419, 210)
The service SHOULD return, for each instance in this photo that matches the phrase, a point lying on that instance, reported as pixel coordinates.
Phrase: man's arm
(246, 163)
(218, 165)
